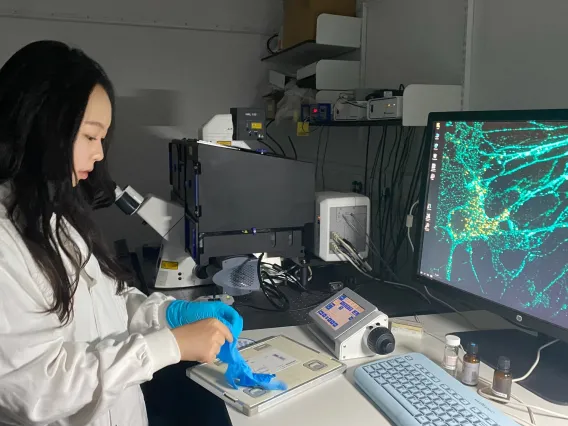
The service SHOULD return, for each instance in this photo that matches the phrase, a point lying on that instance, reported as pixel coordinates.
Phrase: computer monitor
(495, 222)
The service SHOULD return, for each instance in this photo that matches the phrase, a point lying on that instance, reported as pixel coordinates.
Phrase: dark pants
(173, 399)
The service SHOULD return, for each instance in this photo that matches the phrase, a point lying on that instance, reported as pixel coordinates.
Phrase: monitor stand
(549, 378)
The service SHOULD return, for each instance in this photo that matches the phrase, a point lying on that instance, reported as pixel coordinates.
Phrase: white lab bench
(339, 402)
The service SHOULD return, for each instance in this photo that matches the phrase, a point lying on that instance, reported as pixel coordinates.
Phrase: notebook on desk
(299, 366)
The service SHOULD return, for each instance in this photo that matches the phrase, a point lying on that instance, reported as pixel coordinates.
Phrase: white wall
(519, 56)
(169, 81)
(253, 16)
(415, 41)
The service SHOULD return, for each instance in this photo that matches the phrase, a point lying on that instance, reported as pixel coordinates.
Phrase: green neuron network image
(497, 215)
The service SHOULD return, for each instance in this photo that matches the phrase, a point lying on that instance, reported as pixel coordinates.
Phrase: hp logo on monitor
(519, 318)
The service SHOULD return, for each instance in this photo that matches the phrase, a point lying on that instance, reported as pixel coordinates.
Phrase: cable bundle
(386, 188)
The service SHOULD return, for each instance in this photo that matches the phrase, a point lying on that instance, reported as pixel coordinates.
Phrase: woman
(75, 341)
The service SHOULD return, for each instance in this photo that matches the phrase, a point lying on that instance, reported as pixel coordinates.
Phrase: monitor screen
(496, 217)
(340, 311)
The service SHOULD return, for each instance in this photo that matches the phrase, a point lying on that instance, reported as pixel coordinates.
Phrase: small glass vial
(503, 379)
(451, 355)
(470, 372)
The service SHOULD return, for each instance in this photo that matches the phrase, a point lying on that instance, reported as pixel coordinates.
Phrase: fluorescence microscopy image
(500, 214)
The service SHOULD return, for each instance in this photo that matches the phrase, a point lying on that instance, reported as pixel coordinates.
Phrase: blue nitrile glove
(238, 373)
(180, 312)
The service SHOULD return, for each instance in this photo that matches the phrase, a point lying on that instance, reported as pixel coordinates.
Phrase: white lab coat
(89, 371)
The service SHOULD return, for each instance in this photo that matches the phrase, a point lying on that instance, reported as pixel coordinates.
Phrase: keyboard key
(422, 420)
(439, 423)
(381, 381)
(399, 398)
(368, 368)
(374, 374)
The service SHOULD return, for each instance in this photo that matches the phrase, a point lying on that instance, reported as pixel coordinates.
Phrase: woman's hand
(202, 340)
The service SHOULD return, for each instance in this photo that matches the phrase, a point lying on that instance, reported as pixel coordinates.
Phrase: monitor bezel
(522, 319)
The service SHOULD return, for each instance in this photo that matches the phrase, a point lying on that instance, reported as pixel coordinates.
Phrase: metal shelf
(361, 123)
(307, 53)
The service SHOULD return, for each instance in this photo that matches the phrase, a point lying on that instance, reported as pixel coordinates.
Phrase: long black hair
(44, 91)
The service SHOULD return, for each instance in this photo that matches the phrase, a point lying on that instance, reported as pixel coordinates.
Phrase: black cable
(274, 140)
(372, 189)
(293, 148)
(414, 189)
(313, 305)
(399, 217)
(317, 158)
(380, 211)
(323, 160)
(388, 198)
(376, 162)
(400, 224)
(393, 185)
(260, 308)
(366, 183)
(287, 276)
(270, 289)
(273, 294)
(268, 44)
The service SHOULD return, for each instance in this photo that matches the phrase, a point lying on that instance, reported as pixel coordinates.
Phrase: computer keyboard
(411, 390)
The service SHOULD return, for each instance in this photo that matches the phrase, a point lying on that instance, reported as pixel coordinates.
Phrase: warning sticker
(169, 265)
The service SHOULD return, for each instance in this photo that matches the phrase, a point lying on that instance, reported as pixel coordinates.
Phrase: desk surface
(339, 402)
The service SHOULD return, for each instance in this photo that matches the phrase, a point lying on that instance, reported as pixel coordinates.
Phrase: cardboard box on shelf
(300, 17)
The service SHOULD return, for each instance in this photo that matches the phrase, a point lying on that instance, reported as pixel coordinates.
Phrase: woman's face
(88, 147)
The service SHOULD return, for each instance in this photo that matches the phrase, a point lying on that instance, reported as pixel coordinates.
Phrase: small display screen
(256, 126)
(340, 311)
